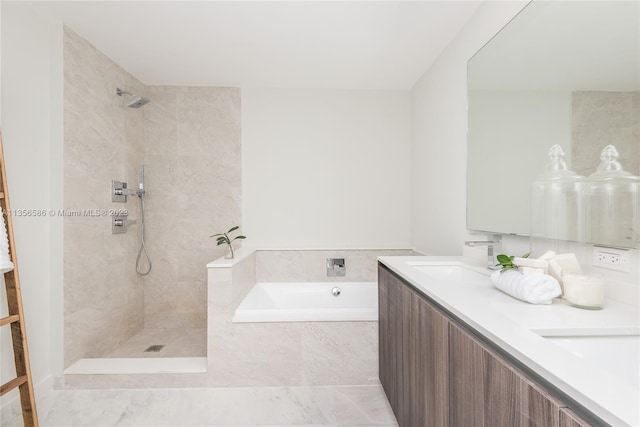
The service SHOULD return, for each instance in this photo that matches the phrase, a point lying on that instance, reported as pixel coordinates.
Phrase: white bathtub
(309, 302)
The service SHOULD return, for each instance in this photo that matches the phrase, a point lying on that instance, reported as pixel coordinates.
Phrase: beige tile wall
(192, 166)
(310, 265)
(103, 140)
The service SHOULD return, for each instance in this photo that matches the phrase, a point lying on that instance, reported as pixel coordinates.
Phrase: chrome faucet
(493, 240)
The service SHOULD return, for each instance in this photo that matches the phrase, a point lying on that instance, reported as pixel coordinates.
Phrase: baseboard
(10, 403)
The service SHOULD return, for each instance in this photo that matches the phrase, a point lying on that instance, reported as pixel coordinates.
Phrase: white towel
(5, 263)
(533, 288)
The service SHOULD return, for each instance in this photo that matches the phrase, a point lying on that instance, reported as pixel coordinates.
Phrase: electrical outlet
(611, 258)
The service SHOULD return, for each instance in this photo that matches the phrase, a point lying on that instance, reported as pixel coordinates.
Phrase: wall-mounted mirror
(561, 72)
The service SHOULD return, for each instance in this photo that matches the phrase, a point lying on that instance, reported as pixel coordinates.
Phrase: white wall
(31, 130)
(0, 63)
(325, 169)
(439, 137)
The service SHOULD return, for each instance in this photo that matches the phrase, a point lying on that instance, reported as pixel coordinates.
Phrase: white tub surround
(284, 353)
(309, 302)
(519, 329)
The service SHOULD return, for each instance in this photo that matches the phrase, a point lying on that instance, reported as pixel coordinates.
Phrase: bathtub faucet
(336, 267)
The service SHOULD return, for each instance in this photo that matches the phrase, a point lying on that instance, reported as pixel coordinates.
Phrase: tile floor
(181, 342)
(245, 406)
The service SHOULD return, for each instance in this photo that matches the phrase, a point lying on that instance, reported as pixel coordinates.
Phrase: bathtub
(309, 302)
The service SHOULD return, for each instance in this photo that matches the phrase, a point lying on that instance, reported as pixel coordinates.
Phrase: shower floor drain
(154, 348)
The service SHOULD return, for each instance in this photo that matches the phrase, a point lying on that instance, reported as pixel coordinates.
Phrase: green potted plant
(224, 239)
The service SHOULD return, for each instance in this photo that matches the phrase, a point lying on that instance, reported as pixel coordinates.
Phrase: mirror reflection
(560, 73)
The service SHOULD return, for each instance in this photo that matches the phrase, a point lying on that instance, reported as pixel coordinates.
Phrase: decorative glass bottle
(557, 202)
(613, 210)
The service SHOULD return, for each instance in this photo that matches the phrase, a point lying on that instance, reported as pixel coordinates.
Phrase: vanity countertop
(518, 328)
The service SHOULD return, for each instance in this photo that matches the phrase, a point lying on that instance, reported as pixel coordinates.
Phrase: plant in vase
(224, 239)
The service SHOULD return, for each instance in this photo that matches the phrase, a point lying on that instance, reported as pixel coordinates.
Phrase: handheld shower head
(136, 100)
(141, 184)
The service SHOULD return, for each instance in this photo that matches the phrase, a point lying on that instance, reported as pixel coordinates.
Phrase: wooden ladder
(16, 316)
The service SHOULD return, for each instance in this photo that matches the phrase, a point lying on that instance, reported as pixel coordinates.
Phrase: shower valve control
(119, 224)
(120, 191)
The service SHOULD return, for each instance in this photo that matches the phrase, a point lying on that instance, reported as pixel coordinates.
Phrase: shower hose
(143, 247)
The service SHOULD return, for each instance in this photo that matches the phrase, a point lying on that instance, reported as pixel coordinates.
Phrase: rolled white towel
(5, 262)
(533, 288)
(530, 270)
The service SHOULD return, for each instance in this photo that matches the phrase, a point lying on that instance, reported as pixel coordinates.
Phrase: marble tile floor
(178, 342)
(243, 406)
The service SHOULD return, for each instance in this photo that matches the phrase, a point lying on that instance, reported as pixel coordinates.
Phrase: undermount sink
(617, 355)
(448, 272)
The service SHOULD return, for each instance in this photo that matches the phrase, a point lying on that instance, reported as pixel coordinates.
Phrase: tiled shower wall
(192, 166)
(103, 140)
(189, 140)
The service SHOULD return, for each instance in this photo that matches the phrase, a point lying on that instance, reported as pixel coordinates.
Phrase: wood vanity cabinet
(486, 391)
(413, 354)
(436, 373)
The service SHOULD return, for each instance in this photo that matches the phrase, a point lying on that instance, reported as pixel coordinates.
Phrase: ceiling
(375, 45)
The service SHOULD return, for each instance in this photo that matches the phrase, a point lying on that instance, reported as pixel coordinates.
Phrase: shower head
(136, 100)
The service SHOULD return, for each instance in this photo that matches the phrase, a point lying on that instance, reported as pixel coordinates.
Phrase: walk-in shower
(116, 305)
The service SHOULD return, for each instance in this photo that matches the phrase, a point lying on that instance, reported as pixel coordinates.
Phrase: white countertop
(517, 326)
